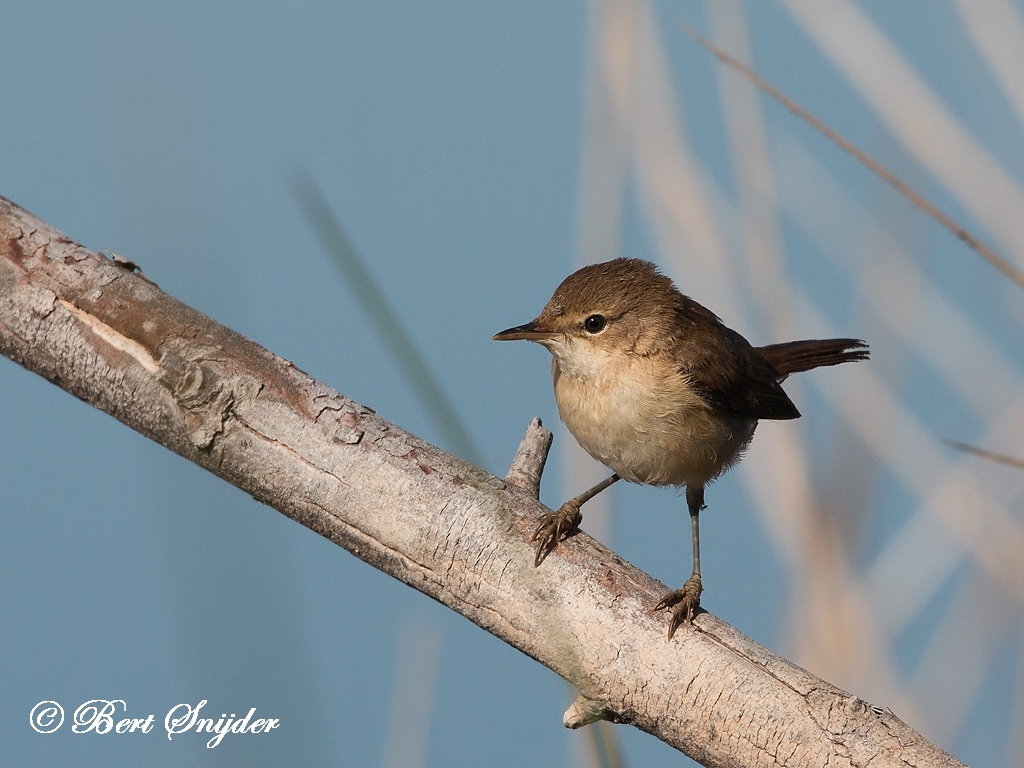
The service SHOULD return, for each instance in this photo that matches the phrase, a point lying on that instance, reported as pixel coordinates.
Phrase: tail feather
(797, 356)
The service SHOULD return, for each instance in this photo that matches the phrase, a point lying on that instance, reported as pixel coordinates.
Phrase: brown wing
(730, 375)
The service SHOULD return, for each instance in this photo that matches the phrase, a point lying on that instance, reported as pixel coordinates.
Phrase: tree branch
(111, 337)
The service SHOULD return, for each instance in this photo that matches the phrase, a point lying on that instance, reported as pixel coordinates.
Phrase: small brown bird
(655, 387)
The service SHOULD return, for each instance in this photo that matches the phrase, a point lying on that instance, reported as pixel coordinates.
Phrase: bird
(658, 389)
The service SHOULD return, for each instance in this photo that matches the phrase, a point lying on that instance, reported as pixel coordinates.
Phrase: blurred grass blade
(415, 369)
(413, 694)
(399, 343)
(877, 168)
(605, 745)
(999, 458)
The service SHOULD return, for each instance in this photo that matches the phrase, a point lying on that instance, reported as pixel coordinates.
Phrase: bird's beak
(531, 331)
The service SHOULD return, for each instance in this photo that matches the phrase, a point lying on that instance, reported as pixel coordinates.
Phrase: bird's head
(602, 311)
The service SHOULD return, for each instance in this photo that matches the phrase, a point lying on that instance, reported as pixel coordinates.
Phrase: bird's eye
(594, 324)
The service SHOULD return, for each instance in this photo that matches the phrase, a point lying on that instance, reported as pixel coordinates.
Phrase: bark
(101, 330)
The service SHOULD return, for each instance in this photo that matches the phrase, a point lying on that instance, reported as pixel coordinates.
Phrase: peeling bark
(102, 331)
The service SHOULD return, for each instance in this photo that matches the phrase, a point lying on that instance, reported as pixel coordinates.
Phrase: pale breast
(647, 424)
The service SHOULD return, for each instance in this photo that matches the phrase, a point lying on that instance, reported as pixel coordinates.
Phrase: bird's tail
(797, 356)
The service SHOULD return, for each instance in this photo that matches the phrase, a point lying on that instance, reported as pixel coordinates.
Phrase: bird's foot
(685, 601)
(554, 526)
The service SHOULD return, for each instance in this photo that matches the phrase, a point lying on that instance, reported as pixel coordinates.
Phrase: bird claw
(554, 527)
(686, 601)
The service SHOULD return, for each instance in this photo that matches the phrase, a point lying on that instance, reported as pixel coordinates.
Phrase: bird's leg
(687, 599)
(564, 520)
